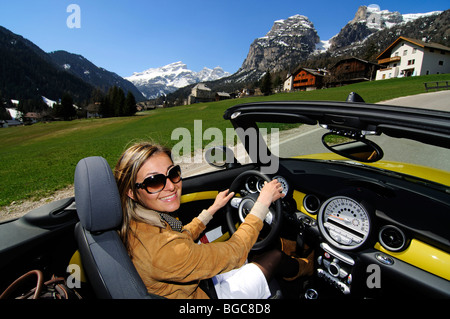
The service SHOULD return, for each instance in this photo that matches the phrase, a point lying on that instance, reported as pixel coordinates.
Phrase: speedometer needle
(345, 220)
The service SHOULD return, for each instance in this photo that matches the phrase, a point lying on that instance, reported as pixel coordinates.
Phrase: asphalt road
(432, 100)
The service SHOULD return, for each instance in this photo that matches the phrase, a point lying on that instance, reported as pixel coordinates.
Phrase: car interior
(375, 233)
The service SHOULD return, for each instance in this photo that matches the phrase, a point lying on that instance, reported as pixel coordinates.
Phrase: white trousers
(247, 282)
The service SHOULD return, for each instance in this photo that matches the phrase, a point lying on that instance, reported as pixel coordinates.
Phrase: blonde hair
(125, 172)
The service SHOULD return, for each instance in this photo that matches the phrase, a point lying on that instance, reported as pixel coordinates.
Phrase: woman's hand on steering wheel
(240, 207)
(221, 200)
(270, 192)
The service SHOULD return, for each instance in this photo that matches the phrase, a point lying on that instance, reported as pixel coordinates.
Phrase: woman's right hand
(270, 192)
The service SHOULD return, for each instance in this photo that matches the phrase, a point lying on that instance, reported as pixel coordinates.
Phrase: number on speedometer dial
(344, 222)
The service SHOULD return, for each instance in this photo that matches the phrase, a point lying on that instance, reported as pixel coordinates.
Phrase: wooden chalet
(304, 79)
(32, 117)
(352, 70)
(222, 96)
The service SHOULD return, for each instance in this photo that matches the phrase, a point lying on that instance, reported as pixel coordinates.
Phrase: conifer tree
(67, 110)
(4, 114)
(130, 104)
(266, 85)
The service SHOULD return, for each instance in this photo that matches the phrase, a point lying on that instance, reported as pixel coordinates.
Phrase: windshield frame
(392, 122)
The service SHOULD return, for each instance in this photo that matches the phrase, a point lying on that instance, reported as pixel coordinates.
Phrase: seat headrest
(96, 195)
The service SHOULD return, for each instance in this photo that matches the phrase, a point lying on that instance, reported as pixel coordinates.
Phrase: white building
(411, 57)
(288, 83)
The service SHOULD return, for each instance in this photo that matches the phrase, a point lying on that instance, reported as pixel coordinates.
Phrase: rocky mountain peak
(287, 42)
(290, 26)
(360, 15)
(375, 18)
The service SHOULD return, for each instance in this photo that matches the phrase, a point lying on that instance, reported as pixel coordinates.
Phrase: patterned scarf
(174, 223)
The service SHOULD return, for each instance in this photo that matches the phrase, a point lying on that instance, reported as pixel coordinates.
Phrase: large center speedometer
(344, 222)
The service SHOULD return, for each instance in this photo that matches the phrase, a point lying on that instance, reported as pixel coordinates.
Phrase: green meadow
(39, 159)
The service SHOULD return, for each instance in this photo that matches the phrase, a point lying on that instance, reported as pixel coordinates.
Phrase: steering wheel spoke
(235, 202)
(269, 218)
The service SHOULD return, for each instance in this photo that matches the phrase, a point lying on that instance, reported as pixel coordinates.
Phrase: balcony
(387, 73)
(389, 60)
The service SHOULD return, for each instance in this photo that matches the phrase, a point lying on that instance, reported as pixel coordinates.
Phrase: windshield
(400, 155)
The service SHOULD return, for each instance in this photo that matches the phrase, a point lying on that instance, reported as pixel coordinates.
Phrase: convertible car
(367, 189)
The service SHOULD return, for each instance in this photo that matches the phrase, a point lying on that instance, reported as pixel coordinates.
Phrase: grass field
(40, 159)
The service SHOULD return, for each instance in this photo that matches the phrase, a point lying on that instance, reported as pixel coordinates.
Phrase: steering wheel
(243, 205)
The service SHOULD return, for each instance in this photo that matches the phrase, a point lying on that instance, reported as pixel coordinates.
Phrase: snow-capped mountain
(378, 19)
(155, 82)
(368, 20)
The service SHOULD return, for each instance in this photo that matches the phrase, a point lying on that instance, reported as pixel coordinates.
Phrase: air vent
(392, 238)
(311, 204)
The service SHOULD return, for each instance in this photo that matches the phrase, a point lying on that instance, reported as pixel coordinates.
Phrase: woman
(164, 253)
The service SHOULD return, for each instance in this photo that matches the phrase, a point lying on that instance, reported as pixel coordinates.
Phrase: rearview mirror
(356, 148)
(221, 157)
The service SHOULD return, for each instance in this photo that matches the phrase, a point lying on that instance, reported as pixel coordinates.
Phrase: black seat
(106, 263)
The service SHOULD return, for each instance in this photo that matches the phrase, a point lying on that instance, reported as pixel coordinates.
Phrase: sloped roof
(202, 86)
(311, 71)
(387, 53)
(352, 58)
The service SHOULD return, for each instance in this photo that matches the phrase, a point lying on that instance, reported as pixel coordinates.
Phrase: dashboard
(356, 219)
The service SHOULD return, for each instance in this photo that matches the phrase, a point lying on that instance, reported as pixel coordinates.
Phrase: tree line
(113, 103)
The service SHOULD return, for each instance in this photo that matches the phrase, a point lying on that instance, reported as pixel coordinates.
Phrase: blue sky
(134, 35)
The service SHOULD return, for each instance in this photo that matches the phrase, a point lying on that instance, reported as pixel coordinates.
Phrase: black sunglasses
(156, 183)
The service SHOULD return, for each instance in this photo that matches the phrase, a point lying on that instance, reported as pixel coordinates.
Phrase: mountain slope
(369, 20)
(27, 72)
(430, 27)
(155, 82)
(90, 73)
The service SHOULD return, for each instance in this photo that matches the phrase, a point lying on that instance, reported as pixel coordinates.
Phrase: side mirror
(221, 157)
(356, 148)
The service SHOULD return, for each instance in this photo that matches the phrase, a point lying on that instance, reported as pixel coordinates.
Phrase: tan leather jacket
(171, 264)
